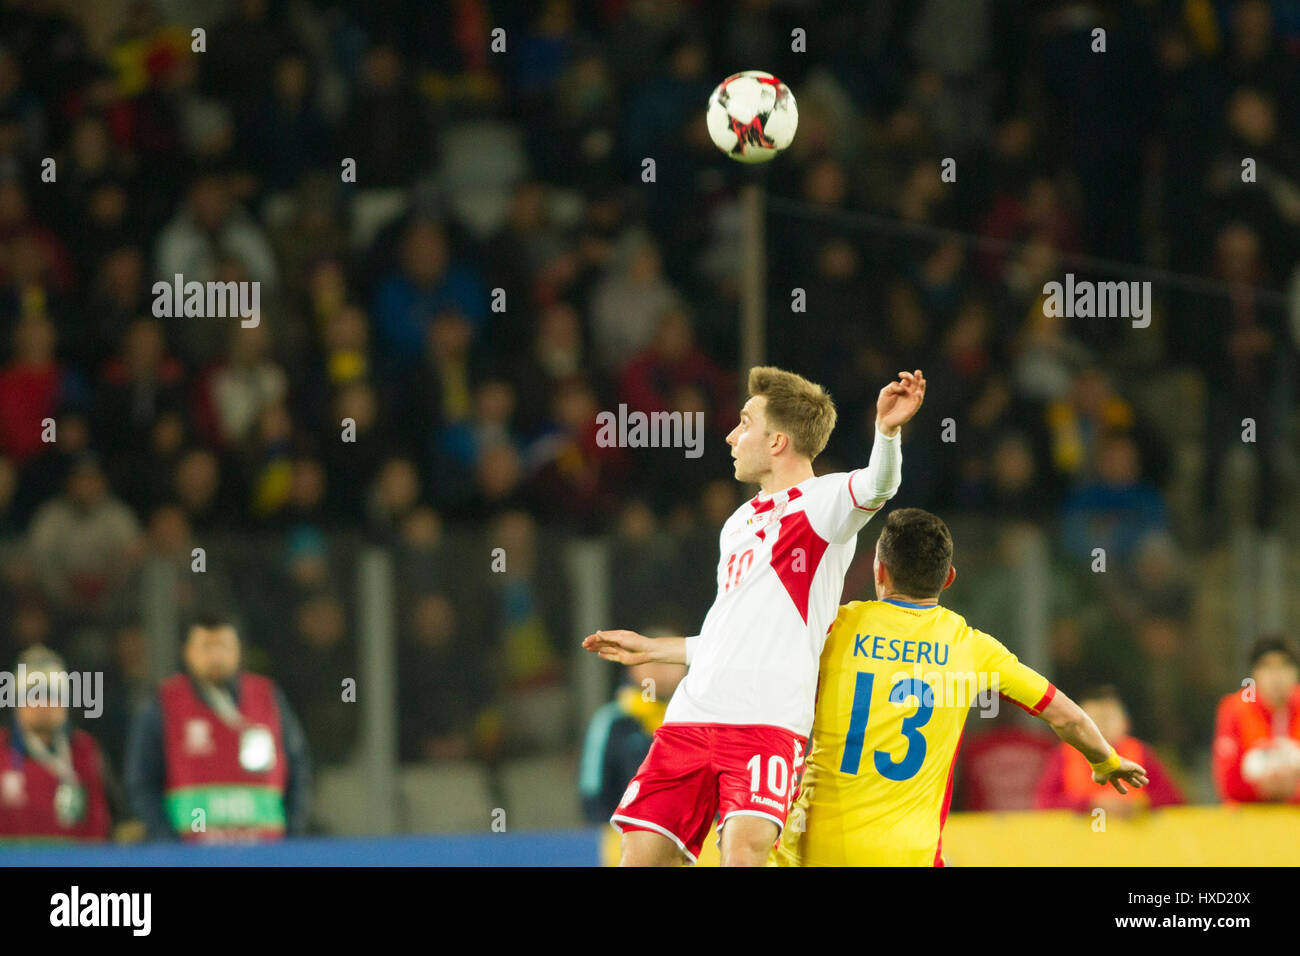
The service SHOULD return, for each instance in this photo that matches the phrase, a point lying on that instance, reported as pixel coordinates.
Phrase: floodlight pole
(753, 284)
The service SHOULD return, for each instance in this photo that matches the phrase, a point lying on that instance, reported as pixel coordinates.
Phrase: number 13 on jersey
(914, 756)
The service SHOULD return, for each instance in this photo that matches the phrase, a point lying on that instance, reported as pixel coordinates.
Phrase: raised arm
(895, 406)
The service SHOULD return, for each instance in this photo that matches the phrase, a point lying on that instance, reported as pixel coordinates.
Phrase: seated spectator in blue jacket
(1115, 510)
(427, 284)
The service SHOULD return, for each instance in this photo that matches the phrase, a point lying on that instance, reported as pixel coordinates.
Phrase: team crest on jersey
(630, 793)
(767, 517)
(198, 736)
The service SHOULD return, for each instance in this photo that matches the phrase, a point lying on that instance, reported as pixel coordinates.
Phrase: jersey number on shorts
(778, 774)
(903, 769)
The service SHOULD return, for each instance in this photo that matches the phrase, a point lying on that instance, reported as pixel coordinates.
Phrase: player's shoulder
(856, 612)
(956, 625)
(823, 485)
(853, 609)
(959, 623)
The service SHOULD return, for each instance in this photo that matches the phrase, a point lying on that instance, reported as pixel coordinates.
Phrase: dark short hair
(1100, 692)
(1273, 644)
(208, 619)
(916, 548)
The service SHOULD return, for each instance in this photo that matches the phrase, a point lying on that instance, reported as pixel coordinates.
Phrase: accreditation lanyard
(70, 795)
(256, 744)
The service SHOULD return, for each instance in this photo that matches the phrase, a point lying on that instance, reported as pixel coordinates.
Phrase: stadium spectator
(648, 381)
(554, 354)
(210, 227)
(1078, 420)
(322, 656)
(312, 235)
(54, 781)
(446, 685)
(136, 387)
(117, 294)
(627, 302)
(574, 477)
(460, 445)
(32, 247)
(392, 497)
(307, 495)
(218, 755)
(285, 131)
(198, 488)
(356, 442)
(235, 392)
(530, 619)
(85, 541)
(1047, 359)
(1000, 764)
(1006, 483)
(387, 125)
(1116, 509)
(1237, 345)
(618, 736)
(427, 287)
(33, 386)
(1154, 605)
(1065, 785)
(1257, 730)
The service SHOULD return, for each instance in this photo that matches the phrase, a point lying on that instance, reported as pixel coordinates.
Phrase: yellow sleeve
(1016, 682)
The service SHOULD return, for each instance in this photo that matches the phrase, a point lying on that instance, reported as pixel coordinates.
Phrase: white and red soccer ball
(752, 116)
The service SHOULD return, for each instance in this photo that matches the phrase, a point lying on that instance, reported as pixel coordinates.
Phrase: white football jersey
(781, 571)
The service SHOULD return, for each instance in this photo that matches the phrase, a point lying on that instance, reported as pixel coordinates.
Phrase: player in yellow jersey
(898, 678)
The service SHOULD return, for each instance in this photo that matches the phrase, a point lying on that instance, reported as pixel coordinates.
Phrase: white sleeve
(840, 510)
(690, 648)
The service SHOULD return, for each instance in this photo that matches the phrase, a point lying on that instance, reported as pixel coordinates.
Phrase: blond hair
(799, 408)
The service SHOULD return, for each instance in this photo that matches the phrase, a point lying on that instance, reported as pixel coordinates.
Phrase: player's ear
(952, 576)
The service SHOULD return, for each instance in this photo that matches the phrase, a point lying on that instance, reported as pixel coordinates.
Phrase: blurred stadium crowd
(521, 172)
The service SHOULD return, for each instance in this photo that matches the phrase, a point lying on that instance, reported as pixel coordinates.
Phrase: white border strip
(614, 821)
(780, 824)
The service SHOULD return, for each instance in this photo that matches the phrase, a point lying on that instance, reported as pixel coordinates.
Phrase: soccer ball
(1280, 753)
(752, 116)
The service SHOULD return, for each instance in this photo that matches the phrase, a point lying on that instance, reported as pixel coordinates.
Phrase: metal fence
(441, 684)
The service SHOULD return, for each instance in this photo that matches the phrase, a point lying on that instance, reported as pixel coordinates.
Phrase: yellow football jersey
(896, 683)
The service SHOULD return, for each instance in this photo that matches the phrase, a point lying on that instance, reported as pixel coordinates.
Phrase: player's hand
(899, 401)
(1128, 772)
(622, 647)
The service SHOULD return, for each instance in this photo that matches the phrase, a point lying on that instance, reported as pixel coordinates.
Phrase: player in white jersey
(734, 734)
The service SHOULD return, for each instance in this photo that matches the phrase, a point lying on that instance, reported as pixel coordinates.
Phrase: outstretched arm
(629, 647)
(1077, 729)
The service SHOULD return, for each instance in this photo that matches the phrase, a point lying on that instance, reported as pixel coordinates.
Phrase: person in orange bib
(1067, 781)
(1257, 731)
